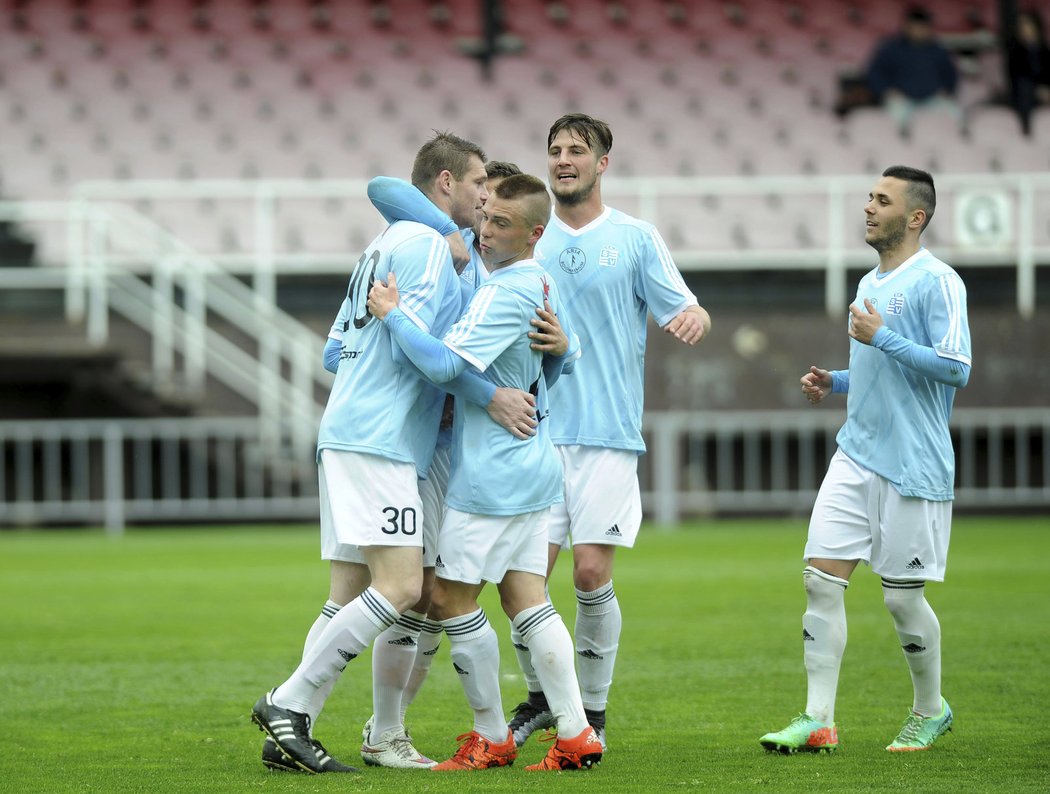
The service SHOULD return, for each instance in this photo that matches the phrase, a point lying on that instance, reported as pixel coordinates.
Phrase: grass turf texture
(131, 664)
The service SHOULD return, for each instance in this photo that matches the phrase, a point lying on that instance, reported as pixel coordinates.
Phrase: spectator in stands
(912, 71)
(1028, 67)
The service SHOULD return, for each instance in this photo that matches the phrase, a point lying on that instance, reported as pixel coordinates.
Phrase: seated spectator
(1028, 67)
(911, 71)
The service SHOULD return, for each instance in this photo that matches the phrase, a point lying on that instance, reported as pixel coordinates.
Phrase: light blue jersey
(897, 419)
(612, 272)
(494, 473)
(376, 405)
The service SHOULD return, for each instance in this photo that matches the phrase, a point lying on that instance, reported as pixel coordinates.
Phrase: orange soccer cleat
(477, 752)
(581, 752)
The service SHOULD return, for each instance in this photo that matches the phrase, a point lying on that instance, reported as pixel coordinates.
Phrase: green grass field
(131, 664)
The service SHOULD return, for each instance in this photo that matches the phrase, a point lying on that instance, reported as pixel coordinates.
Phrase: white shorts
(603, 503)
(859, 515)
(366, 501)
(475, 548)
(432, 492)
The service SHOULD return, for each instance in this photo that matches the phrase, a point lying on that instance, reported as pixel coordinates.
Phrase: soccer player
(614, 270)
(887, 496)
(400, 660)
(501, 489)
(370, 445)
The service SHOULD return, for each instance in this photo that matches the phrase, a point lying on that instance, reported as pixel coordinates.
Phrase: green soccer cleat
(919, 733)
(803, 735)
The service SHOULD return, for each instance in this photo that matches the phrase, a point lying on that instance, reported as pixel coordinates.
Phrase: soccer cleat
(366, 731)
(803, 735)
(919, 733)
(395, 751)
(596, 719)
(290, 730)
(581, 752)
(273, 758)
(528, 718)
(600, 733)
(477, 752)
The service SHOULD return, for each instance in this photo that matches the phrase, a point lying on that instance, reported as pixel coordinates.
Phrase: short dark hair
(920, 191)
(443, 152)
(595, 131)
(500, 169)
(532, 191)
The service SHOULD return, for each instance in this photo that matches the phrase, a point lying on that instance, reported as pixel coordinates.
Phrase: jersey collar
(583, 229)
(911, 260)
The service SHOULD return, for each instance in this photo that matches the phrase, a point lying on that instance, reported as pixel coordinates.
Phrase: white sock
(823, 640)
(393, 655)
(317, 701)
(475, 655)
(521, 650)
(598, 624)
(550, 646)
(347, 634)
(426, 648)
(920, 636)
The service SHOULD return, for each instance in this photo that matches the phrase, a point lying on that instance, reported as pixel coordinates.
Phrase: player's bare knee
(592, 567)
(447, 601)
(403, 593)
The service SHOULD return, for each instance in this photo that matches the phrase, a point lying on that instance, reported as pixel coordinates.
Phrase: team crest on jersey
(896, 304)
(572, 260)
(608, 255)
(546, 288)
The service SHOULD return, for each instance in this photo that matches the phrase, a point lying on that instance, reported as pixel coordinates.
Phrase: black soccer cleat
(290, 730)
(274, 759)
(530, 716)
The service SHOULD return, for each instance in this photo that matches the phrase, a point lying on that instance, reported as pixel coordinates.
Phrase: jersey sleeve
(658, 281)
(437, 362)
(336, 331)
(489, 326)
(398, 200)
(418, 263)
(947, 320)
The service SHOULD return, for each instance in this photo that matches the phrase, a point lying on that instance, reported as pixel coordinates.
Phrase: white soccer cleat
(394, 750)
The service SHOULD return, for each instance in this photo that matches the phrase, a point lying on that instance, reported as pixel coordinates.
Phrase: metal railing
(118, 471)
(984, 219)
(773, 461)
(114, 472)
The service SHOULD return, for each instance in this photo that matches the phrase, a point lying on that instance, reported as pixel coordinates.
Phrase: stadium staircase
(151, 328)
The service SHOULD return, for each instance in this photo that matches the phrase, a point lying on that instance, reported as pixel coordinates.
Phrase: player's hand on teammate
(690, 325)
(515, 411)
(383, 298)
(816, 384)
(864, 324)
(458, 247)
(548, 336)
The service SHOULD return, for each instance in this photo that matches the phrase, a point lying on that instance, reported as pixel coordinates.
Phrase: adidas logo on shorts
(915, 565)
(614, 531)
(438, 563)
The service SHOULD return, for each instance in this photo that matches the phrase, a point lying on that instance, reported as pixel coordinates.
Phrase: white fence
(114, 472)
(726, 462)
(114, 256)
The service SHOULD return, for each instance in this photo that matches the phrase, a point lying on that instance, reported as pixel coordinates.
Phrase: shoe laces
(910, 729)
(467, 742)
(403, 747)
(800, 719)
(549, 735)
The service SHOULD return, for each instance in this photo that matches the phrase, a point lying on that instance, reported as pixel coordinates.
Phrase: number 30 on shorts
(401, 520)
